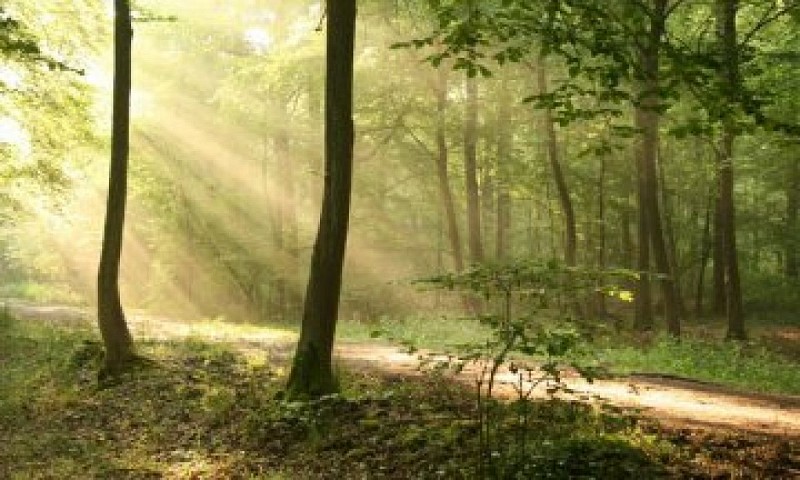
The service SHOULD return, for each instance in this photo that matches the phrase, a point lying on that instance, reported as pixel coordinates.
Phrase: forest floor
(688, 428)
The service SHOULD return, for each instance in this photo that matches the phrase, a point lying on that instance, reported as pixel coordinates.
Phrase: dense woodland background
(226, 154)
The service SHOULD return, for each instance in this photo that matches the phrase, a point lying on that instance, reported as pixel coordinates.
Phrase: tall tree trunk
(647, 119)
(705, 251)
(729, 76)
(504, 134)
(117, 338)
(443, 174)
(570, 245)
(719, 301)
(669, 238)
(792, 231)
(601, 234)
(312, 370)
(471, 172)
(643, 319)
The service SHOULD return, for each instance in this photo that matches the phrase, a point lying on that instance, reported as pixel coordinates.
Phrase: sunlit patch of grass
(747, 366)
(442, 333)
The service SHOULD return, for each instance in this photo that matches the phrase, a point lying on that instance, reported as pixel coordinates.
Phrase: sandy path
(676, 401)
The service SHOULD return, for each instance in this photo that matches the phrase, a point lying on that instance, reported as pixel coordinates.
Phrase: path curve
(682, 402)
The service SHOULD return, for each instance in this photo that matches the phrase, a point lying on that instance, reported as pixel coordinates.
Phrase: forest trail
(678, 402)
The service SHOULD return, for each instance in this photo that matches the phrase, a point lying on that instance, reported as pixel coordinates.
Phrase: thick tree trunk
(312, 370)
(443, 174)
(733, 292)
(729, 77)
(792, 231)
(647, 120)
(110, 316)
(471, 172)
(570, 242)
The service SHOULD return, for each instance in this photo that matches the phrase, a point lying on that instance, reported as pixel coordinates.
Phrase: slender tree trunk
(471, 172)
(729, 76)
(719, 300)
(504, 133)
(312, 370)
(792, 231)
(647, 120)
(442, 172)
(667, 277)
(705, 252)
(643, 319)
(601, 234)
(110, 316)
(570, 246)
(669, 238)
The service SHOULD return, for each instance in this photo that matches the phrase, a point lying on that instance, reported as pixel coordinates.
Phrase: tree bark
(312, 370)
(705, 251)
(718, 251)
(647, 120)
(570, 245)
(729, 77)
(443, 174)
(471, 172)
(119, 351)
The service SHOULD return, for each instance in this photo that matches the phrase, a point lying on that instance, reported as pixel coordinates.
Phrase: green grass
(744, 366)
(701, 354)
(442, 333)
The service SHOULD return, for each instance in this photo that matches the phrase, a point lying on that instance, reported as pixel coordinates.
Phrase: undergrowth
(206, 411)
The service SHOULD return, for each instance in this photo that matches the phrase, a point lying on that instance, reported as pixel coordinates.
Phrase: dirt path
(682, 402)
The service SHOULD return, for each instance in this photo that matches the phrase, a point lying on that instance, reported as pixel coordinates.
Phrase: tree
(571, 243)
(119, 351)
(471, 171)
(442, 171)
(729, 80)
(312, 371)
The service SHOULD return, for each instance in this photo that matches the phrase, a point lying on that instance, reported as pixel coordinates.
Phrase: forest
(399, 239)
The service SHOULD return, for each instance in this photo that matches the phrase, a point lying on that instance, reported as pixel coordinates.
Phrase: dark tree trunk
(570, 245)
(719, 300)
(792, 209)
(312, 370)
(705, 252)
(729, 76)
(669, 238)
(471, 172)
(110, 316)
(443, 174)
(647, 120)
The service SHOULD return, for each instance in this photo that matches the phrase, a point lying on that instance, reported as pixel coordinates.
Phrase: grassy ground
(769, 362)
(204, 411)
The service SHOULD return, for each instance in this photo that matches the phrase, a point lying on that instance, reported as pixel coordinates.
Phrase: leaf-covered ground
(203, 411)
